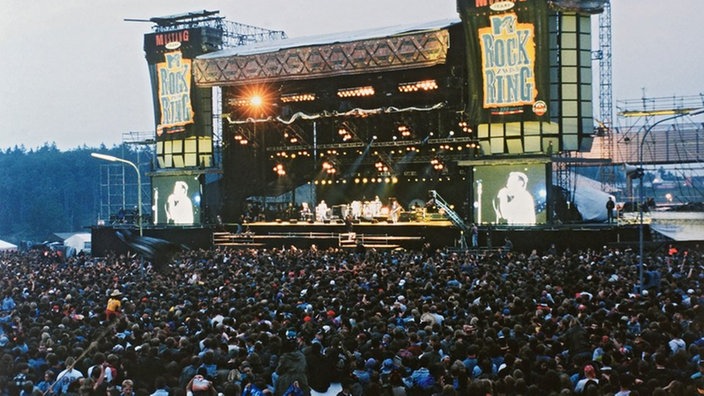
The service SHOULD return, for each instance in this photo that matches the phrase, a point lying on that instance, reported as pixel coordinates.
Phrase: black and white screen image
(510, 194)
(176, 200)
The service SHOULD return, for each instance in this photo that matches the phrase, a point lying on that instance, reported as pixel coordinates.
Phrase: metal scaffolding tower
(606, 107)
(118, 184)
(234, 34)
(238, 34)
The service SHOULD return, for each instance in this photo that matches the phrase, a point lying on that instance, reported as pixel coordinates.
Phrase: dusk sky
(74, 71)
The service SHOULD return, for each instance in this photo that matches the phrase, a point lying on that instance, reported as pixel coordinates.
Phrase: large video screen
(511, 194)
(176, 200)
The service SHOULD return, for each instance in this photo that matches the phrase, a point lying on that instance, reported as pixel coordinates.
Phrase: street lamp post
(139, 182)
(640, 187)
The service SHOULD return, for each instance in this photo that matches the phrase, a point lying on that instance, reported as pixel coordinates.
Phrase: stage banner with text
(181, 109)
(507, 59)
(174, 93)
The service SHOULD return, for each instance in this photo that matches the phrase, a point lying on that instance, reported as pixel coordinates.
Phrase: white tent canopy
(7, 246)
(80, 242)
(590, 200)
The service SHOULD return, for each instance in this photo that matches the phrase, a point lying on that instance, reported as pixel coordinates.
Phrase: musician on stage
(395, 211)
(356, 209)
(321, 211)
(306, 214)
(375, 206)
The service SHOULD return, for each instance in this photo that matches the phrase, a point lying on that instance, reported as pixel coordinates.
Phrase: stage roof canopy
(366, 51)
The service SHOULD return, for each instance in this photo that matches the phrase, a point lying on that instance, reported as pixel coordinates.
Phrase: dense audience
(294, 321)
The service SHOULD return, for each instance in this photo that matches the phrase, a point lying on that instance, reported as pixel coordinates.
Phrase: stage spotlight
(279, 170)
(256, 100)
(404, 130)
(437, 164)
(344, 134)
(241, 139)
(464, 126)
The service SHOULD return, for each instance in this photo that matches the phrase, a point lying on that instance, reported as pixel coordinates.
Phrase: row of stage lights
(406, 87)
(347, 135)
(367, 90)
(382, 180)
(292, 98)
(438, 165)
(256, 99)
(425, 85)
(330, 167)
(287, 154)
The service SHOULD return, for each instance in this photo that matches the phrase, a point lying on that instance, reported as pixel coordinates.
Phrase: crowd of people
(295, 322)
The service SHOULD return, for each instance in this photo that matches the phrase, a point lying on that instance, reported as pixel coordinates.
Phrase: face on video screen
(176, 200)
(510, 194)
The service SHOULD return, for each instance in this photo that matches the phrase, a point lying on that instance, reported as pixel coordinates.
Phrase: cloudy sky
(74, 73)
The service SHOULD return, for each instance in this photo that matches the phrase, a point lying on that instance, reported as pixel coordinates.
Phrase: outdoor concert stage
(379, 235)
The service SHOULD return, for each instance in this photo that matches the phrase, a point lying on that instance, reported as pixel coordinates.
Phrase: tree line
(46, 190)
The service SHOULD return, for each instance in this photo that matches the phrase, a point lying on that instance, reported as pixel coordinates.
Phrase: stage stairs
(452, 215)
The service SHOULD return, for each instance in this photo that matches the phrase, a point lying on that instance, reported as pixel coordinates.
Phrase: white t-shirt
(66, 378)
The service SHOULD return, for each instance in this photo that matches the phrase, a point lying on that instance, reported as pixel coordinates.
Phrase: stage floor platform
(382, 235)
